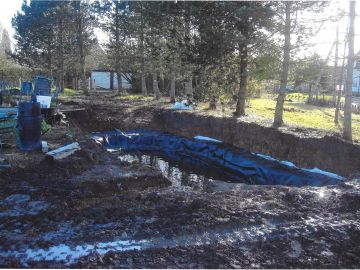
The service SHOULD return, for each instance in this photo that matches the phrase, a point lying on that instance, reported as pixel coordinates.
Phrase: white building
(107, 80)
(356, 78)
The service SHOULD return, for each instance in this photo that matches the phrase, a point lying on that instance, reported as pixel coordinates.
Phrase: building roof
(102, 70)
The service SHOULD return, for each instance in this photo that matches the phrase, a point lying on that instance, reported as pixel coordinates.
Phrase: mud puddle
(185, 174)
(226, 234)
(132, 205)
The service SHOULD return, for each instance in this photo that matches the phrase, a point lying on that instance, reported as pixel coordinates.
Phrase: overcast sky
(322, 41)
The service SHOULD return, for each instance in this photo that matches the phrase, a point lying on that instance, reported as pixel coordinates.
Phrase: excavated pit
(145, 209)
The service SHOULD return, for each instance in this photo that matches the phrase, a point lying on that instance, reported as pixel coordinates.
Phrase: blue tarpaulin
(255, 169)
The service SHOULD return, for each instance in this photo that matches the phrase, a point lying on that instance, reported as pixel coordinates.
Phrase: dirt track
(93, 210)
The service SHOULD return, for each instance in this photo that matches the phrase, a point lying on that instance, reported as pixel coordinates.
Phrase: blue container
(42, 86)
(29, 126)
(26, 88)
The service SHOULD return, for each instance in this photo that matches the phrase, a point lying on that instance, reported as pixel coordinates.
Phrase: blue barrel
(29, 126)
(42, 86)
(26, 88)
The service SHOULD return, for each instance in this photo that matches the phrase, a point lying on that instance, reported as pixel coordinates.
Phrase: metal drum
(29, 126)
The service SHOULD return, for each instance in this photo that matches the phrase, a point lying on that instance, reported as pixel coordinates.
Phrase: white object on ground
(182, 106)
(64, 151)
(44, 147)
(204, 138)
(69, 254)
(317, 170)
(265, 157)
(288, 163)
(44, 101)
(292, 165)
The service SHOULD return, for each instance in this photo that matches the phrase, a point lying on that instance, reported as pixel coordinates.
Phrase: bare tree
(172, 86)
(155, 85)
(84, 25)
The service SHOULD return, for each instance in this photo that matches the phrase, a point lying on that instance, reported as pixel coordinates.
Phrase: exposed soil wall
(305, 150)
(304, 147)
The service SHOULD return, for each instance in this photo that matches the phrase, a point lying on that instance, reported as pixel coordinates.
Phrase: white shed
(356, 78)
(107, 80)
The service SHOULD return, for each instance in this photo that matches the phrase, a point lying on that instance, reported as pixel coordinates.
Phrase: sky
(8, 9)
(322, 41)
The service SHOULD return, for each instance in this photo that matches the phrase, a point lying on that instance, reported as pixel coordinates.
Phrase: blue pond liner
(253, 168)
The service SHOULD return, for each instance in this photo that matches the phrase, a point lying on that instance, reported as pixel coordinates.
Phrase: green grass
(135, 98)
(70, 92)
(304, 96)
(304, 115)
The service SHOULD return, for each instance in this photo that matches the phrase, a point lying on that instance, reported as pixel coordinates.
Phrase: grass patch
(304, 115)
(70, 92)
(135, 98)
(295, 96)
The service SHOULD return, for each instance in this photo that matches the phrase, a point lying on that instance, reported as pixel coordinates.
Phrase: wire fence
(355, 105)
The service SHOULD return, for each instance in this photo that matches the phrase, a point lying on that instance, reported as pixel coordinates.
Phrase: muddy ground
(93, 210)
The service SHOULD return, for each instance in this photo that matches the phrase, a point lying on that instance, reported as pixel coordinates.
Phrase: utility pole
(318, 79)
(347, 134)
(336, 63)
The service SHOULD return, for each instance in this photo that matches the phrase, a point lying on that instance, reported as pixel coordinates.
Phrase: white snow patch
(292, 165)
(69, 254)
(288, 163)
(317, 170)
(265, 157)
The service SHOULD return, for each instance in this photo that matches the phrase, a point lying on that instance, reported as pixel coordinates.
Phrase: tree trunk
(80, 39)
(278, 118)
(117, 50)
(336, 65)
(322, 69)
(240, 104)
(337, 109)
(142, 52)
(172, 87)
(84, 86)
(162, 81)
(156, 86)
(119, 82)
(347, 134)
(143, 84)
(61, 56)
(188, 89)
(311, 94)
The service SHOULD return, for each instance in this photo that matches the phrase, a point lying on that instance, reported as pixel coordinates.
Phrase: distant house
(356, 76)
(107, 80)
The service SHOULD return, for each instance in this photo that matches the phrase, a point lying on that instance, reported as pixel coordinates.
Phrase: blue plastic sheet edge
(254, 168)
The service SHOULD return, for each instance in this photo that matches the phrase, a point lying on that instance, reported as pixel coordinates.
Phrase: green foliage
(45, 127)
(48, 34)
(69, 92)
